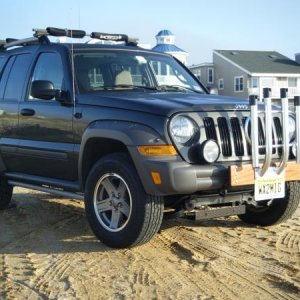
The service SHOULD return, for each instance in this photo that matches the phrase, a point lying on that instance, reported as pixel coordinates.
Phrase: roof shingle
(262, 61)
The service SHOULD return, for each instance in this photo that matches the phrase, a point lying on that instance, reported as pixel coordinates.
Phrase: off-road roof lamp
(52, 31)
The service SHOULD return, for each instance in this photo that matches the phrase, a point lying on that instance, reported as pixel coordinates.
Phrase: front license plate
(269, 186)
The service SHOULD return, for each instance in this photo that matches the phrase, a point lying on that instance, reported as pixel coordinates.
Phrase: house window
(238, 84)
(197, 73)
(292, 82)
(221, 84)
(210, 75)
(254, 82)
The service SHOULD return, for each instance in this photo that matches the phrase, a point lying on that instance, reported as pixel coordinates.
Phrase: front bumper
(181, 178)
(178, 176)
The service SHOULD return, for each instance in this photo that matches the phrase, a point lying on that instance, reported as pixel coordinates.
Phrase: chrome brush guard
(268, 175)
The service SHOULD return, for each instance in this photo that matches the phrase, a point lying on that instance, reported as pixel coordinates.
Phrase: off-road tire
(279, 210)
(141, 219)
(6, 192)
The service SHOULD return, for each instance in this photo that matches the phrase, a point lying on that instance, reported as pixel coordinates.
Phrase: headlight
(210, 151)
(182, 129)
(292, 128)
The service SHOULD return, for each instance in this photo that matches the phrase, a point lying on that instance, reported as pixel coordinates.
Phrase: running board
(210, 213)
(44, 189)
(71, 186)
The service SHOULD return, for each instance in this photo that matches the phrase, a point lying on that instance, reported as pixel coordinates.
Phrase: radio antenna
(73, 73)
(79, 17)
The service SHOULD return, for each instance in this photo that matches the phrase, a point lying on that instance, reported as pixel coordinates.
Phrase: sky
(200, 26)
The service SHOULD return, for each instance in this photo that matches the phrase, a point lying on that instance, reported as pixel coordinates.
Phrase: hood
(163, 103)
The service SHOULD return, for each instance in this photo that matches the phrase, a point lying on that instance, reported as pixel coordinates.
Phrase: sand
(47, 251)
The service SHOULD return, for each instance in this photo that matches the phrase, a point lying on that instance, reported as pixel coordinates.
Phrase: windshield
(105, 70)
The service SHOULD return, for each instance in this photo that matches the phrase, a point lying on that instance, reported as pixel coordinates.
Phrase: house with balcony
(240, 73)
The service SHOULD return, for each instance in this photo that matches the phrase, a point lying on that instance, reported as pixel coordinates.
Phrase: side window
(49, 67)
(1, 63)
(16, 77)
(5, 74)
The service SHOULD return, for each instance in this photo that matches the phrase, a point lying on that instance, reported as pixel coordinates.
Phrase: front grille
(229, 132)
(237, 136)
(261, 137)
(210, 128)
(278, 130)
(225, 136)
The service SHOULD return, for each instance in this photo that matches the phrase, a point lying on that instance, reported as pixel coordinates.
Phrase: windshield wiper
(167, 87)
(130, 86)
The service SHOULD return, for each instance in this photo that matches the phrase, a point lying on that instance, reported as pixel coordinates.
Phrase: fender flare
(130, 134)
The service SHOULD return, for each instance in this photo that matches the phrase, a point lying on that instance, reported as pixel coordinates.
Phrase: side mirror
(212, 90)
(43, 89)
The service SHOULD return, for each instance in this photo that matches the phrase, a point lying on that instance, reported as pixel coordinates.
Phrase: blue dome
(164, 32)
(167, 48)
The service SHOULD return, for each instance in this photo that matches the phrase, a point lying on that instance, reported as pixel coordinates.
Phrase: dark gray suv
(132, 132)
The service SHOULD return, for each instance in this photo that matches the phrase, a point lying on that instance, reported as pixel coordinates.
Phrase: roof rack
(40, 36)
(11, 42)
(2, 43)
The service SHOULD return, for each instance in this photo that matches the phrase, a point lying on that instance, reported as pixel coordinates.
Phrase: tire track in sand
(228, 267)
(289, 241)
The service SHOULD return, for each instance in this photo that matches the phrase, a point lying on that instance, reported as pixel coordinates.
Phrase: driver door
(45, 126)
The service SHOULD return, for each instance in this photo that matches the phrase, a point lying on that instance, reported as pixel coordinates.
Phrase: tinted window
(17, 76)
(5, 74)
(1, 63)
(49, 67)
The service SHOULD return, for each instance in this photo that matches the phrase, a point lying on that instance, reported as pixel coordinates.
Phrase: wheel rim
(112, 202)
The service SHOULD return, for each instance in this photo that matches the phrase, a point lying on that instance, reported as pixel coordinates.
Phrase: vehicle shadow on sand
(39, 223)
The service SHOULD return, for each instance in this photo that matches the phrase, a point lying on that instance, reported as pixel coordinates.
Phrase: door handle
(27, 112)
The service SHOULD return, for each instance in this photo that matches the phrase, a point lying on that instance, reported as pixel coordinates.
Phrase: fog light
(210, 151)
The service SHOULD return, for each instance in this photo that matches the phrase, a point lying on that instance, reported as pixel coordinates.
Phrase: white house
(242, 73)
(165, 40)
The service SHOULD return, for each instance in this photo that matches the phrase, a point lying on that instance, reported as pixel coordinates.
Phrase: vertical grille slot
(278, 130)
(225, 136)
(249, 150)
(261, 137)
(237, 136)
(210, 128)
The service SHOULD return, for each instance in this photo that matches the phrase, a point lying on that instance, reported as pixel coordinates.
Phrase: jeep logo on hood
(241, 106)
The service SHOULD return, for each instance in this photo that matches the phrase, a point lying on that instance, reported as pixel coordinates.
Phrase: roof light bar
(53, 31)
(66, 32)
(109, 37)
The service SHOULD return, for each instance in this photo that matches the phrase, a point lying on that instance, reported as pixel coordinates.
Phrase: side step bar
(47, 190)
(44, 181)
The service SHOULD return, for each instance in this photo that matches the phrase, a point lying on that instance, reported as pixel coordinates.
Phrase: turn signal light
(156, 177)
(162, 150)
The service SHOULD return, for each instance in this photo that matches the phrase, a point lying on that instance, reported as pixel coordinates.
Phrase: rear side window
(17, 77)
